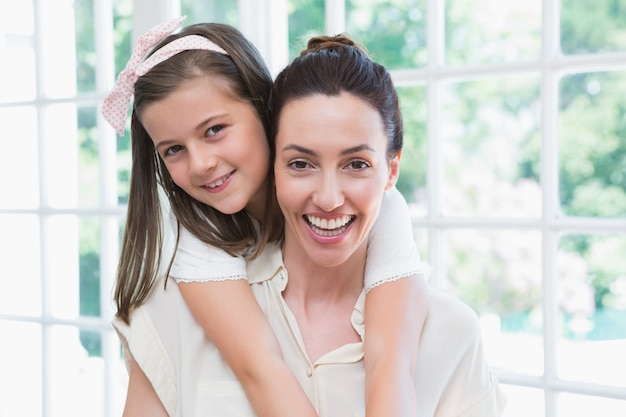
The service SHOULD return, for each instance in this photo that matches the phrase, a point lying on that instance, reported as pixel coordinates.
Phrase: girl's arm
(214, 287)
(395, 310)
(141, 398)
(233, 320)
(394, 317)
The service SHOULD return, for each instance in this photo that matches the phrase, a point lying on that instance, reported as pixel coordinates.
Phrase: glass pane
(572, 405)
(589, 26)
(413, 165)
(523, 401)
(20, 361)
(19, 132)
(61, 155)
(306, 19)
(592, 149)
(18, 80)
(62, 265)
(122, 28)
(88, 158)
(20, 243)
(393, 31)
(498, 273)
(76, 379)
(124, 165)
(210, 11)
(592, 302)
(493, 31)
(89, 240)
(57, 48)
(491, 148)
(85, 46)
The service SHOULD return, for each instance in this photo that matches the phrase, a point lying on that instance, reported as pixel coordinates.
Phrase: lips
(219, 182)
(329, 227)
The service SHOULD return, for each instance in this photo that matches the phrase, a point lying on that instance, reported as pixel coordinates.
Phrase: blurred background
(514, 168)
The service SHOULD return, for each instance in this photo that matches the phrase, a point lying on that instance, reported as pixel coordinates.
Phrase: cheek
(291, 193)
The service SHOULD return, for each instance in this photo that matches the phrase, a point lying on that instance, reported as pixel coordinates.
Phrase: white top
(191, 378)
(392, 252)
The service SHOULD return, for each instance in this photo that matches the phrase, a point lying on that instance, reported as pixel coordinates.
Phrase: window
(514, 167)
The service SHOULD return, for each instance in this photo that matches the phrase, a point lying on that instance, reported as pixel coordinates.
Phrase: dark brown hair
(334, 64)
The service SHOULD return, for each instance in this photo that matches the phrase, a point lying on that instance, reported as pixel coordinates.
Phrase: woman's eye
(358, 165)
(173, 150)
(298, 165)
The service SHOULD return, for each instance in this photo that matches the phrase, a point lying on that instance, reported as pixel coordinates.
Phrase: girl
(200, 133)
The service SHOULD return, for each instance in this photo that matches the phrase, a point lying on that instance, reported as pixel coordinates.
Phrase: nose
(329, 193)
(201, 160)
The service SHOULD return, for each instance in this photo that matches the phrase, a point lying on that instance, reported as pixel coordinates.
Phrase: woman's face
(213, 146)
(331, 171)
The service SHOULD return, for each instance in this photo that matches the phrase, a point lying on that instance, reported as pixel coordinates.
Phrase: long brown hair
(245, 77)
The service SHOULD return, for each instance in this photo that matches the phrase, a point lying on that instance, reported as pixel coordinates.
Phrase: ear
(394, 171)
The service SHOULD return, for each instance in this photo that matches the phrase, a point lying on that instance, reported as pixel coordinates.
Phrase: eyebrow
(311, 152)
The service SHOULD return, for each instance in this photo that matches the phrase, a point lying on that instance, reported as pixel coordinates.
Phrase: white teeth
(330, 227)
(218, 182)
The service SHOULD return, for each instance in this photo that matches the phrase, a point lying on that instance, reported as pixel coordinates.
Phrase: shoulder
(452, 364)
(266, 265)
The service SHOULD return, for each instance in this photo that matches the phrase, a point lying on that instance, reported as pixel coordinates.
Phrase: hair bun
(318, 43)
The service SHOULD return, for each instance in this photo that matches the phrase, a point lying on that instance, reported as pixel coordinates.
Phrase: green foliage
(306, 19)
(592, 148)
(393, 31)
(412, 180)
(593, 26)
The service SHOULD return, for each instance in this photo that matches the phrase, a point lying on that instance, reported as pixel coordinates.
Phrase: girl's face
(331, 171)
(213, 146)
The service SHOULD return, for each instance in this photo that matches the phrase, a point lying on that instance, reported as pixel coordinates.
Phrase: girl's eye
(214, 130)
(358, 165)
(298, 165)
(173, 150)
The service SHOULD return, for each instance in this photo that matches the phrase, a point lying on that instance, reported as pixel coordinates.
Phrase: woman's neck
(322, 298)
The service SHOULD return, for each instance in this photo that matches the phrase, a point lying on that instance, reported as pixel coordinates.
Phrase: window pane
(89, 182)
(393, 31)
(62, 267)
(491, 147)
(210, 11)
(85, 45)
(593, 26)
(61, 155)
(19, 131)
(498, 273)
(592, 149)
(572, 405)
(592, 289)
(124, 165)
(493, 31)
(306, 19)
(413, 165)
(89, 240)
(20, 243)
(78, 379)
(20, 361)
(18, 80)
(57, 48)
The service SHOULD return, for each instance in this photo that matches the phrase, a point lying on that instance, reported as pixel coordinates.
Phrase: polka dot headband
(115, 105)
